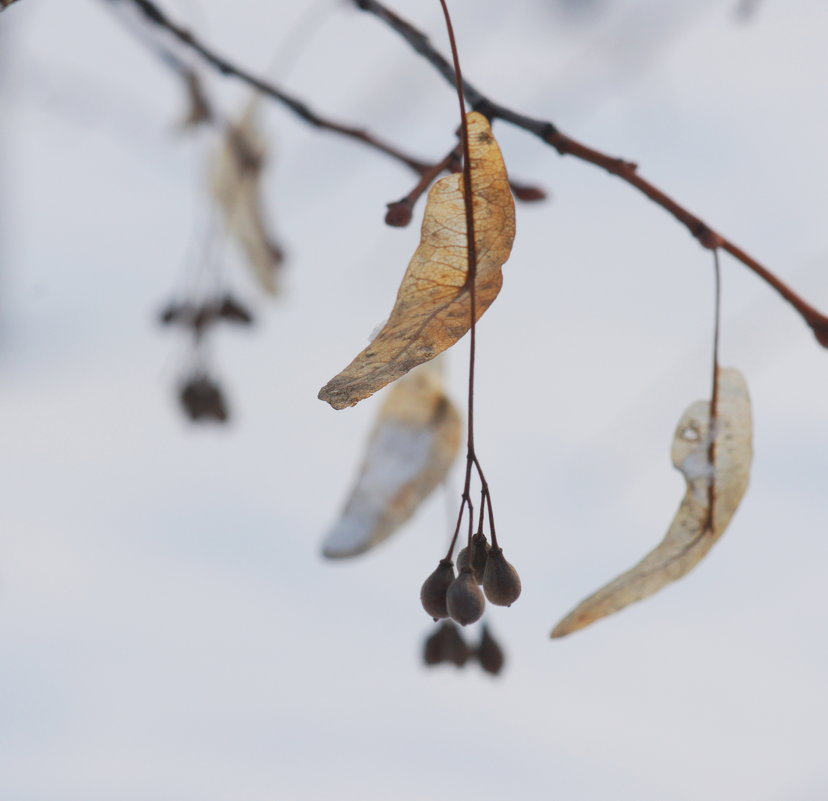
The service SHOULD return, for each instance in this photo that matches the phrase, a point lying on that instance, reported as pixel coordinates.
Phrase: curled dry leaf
(236, 181)
(412, 446)
(433, 306)
(696, 527)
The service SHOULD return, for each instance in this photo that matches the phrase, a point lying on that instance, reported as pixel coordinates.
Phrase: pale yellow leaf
(237, 173)
(411, 448)
(433, 306)
(694, 529)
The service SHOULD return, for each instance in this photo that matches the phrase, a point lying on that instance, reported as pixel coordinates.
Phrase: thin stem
(714, 394)
(468, 198)
(622, 168)
(471, 272)
(399, 212)
(491, 519)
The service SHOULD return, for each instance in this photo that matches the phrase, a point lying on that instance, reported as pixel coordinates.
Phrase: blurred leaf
(411, 448)
(695, 528)
(236, 180)
(432, 310)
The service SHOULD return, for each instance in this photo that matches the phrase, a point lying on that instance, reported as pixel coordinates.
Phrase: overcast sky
(168, 629)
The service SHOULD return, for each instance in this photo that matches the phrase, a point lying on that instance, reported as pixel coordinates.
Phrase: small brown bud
(501, 581)
(464, 600)
(399, 214)
(433, 591)
(489, 653)
(528, 193)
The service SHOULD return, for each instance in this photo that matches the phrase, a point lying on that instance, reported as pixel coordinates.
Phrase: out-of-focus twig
(624, 169)
(4, 4)
(153, 14)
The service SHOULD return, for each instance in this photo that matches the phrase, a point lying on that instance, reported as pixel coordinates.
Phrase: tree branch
(625, 170)
(152, 13)
(4, 4)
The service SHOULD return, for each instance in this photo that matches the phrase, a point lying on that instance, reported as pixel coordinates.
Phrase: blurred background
(168, 628)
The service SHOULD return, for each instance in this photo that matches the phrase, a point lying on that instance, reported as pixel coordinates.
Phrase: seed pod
(202, 399)
(234, 311)
(446, 645)
(433, 591)
(463, 559)
(489, 653)
(464, 600)
(479, 552)
(175, 313)
(501, 581)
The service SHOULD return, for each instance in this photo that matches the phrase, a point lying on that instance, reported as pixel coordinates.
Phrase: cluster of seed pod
(198, 317)
(200, 395)
(459, 597)
(447, 645)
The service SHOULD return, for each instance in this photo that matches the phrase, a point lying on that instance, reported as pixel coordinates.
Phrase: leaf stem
(471, 273)
(714, 394)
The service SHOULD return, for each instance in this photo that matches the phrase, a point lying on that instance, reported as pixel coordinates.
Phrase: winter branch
(153, 13)
(626, 170)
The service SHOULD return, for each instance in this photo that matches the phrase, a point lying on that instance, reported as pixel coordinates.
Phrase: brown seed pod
(464, 600)
(202, 399)
(446, 645)
(489, 653)
(479, 552)
(501, 581)
(434, 589)
(234, 311)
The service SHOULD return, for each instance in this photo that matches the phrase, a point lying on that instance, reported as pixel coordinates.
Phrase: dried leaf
(694, 530)
(432, 310)
(413, 444)
(236, 181)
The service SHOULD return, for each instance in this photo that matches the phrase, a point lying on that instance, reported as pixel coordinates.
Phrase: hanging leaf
(413, 444)
(236, 180)
(696, 527)
(432, 310)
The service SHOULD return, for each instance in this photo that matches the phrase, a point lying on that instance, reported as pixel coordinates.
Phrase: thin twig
(153, 14)
(624, 169)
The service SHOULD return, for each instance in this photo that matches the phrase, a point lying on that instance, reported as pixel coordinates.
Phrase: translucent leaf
(236, 181)
(695, 528)
(411, 448)
(432, 310)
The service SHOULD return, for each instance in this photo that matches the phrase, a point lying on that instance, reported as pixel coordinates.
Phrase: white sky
(167, 628)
